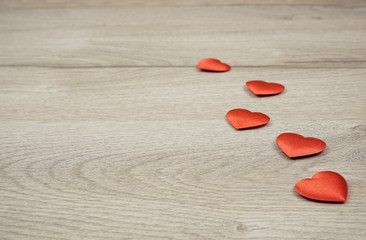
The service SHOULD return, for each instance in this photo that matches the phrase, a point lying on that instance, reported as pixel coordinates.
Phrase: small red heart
(295, 145)
(212, 64)
(264, 88)
(324, 186)
(242, 118)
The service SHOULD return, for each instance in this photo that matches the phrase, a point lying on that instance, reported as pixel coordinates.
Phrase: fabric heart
(242, 118)
(295, 145)
(212, 64)
(324, 186)
(264, 88)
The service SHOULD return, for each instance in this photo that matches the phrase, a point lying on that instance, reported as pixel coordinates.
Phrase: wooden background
(108, 130)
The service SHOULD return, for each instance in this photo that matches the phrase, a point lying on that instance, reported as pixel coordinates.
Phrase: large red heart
(212, 64)
(295, 145)
(264, 88)
(242, 118)
(324, 186)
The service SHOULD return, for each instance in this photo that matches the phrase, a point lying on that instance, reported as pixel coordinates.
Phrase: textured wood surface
(108, 131)
(179, 36)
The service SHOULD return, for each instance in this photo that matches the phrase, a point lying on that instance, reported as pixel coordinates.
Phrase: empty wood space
(109, 131)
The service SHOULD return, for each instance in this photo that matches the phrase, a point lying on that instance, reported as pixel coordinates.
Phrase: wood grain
(176, 36)
(108, 130)
(30, 4)
(160, 94)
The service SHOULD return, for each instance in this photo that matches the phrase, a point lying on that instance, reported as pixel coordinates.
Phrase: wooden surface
(108, 130)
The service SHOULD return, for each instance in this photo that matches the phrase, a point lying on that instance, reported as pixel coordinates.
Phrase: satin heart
(242, 118)
(214, 65)
(264, 88)
(324, 186)
(295, 145)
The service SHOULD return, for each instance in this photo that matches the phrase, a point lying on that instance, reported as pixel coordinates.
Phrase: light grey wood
(181, 36)
(160, 94)
(108, 130)
(9, 4)
(147, 153)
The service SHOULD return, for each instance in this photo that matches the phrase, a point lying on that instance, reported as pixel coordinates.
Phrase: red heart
(295, 145)
(324, 186)
(212, 64)
(242, 118)
(264, 88)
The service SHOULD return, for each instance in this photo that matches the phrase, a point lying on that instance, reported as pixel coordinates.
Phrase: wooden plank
(159, 94)
(175, 36)
(9, 4)
(178, 179)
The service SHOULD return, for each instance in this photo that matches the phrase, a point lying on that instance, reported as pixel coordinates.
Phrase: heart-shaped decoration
(324, 186)
(242, 118)
(295, 145)
(212, 64)
(264, 88)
